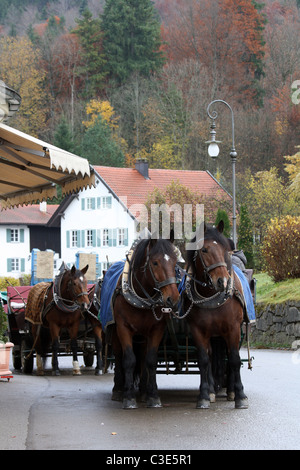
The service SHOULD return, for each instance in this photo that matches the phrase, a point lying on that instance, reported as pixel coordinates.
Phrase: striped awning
(30, 169)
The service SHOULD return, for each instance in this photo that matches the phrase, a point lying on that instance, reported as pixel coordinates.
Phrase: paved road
(69, 412)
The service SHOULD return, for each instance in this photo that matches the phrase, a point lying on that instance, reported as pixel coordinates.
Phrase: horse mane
(161, 245)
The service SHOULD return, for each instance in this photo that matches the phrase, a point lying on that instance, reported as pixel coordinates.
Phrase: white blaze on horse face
(215, 242)
(167, 257)
(81, 278)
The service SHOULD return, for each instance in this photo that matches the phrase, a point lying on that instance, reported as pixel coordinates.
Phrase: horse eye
(155, 263)
(204, 250)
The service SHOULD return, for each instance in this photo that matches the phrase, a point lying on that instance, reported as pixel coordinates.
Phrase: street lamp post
(213, 151)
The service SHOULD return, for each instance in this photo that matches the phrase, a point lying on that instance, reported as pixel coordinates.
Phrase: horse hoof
(241, 404)
(98, 372)
(76, 372)
(40, 373)
(117, 395)
(154, 402)
(230, 396)
(56, 373)
(203, 404)
(129, 404)
(212, 398)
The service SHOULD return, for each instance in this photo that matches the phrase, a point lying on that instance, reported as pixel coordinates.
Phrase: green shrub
(11, 280)
(3, 325)
(281, 248)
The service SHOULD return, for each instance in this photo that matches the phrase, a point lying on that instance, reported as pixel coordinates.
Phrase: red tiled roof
(129, 182)
(27, 215)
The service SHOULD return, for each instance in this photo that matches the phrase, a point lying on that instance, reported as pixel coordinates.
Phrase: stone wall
(277, 324)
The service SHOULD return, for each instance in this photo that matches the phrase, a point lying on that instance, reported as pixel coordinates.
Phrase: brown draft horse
(215, 312)
(63, 304)
(151, 294)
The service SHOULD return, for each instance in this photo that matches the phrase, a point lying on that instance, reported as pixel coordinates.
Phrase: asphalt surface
(77, 413)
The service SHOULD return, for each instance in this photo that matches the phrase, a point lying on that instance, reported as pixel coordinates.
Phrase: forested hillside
(116, 79)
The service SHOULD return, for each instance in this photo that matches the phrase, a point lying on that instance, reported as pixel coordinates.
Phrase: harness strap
(213, 266)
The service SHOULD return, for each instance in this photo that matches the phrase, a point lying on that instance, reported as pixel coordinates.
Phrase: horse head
(77, 287)
(159, 269)
(212, 259)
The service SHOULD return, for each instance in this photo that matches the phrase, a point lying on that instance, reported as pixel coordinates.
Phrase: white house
(21, 230)
(96, 221)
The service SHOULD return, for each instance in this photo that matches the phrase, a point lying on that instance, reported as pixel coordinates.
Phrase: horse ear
(84, 270)
(152, 240)
(73, 270)
(220, 226)
(231, 244)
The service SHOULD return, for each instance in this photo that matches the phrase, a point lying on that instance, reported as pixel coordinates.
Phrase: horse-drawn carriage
(157, 325)
(24, 318)
(198, 325)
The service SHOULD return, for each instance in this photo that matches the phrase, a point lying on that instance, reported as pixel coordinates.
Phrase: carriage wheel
(27, 362)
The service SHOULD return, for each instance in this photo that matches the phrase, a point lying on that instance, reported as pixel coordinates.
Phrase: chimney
(141, 165)
(43, 206)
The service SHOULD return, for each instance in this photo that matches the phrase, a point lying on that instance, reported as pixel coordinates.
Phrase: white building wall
(96, 211)
(15, 255)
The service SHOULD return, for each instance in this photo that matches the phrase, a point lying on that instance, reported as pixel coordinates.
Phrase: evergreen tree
(131, 40)
(64, 140)
(99, 147)
(245, 241)
(90, 37)
(222, 215)
(63, 136)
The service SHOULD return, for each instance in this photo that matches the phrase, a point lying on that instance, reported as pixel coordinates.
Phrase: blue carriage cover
(110, 280)
(247, 293)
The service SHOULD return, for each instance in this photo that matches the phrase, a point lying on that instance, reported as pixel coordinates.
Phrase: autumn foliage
(281, 248)
(224, 36)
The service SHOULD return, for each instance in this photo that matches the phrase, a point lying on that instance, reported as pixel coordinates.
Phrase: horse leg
(98, 344)
(39, 365)
(118, 388)
(129, 361)
(235, 383)
(55, 348)
(203, 401)
(153, 400)
(74, 347)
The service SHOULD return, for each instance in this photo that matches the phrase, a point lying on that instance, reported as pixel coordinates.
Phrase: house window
(89, 238)
(106, 202)
(121, 236)
(90, 203)
(15, 235)
(74, 238)
(105, 237)
(16, 265)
